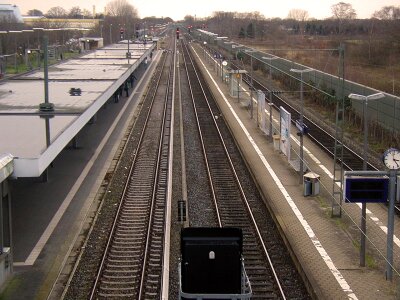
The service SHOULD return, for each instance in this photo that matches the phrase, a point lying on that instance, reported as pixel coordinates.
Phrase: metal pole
(222, 72)
(2, 72)
(270, 102)
(15, 61)
(238, 88)
(47, 122)
(127, 33)
(110, 34)
(365, 162)
(364, 204)
(302, 127)
(38, 58)
(392, 196)
(46, 69)
(251, 88)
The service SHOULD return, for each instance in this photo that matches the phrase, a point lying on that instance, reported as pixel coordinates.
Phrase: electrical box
(211, 260)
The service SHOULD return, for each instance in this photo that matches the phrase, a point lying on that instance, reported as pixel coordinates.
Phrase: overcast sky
(177, 10)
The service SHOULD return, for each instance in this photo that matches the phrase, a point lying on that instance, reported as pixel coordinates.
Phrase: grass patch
(369, 260)
(10, 288)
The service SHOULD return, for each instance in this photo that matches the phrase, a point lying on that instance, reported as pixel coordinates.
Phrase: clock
(391, 158)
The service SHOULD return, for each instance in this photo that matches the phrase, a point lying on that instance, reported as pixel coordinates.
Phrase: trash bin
(277, 140)
(311, 184)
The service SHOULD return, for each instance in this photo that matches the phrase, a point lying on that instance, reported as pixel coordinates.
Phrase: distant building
(58, 23)
(10, 13)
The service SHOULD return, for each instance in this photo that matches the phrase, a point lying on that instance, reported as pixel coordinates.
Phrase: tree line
(57, 12)
(119, 16)
(342, 21)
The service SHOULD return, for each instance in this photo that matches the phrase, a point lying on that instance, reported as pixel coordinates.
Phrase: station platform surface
(47, 217)
(326, 248)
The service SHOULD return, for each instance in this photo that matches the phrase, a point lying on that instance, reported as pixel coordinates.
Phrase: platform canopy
(33, 137)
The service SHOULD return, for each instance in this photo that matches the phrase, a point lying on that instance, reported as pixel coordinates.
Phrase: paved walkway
(48, 217)
(325, 247)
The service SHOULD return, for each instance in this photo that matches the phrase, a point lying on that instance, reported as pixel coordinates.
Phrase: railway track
(269, 278)
(132, 264)
(351, 159)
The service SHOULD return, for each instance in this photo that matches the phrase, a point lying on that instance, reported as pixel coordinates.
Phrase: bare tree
(343, 11)
(86, 13)
(387, 13)
(56, 12)
(35, 13)
(189, 19)
(123, 15)
(75, 12)
(121, 8)
(298, 15)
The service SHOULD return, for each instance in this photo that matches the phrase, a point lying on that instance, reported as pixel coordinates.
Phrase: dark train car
(211, 264)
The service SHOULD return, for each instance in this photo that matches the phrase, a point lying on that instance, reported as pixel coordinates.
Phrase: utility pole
(301, 171)
(365, 167)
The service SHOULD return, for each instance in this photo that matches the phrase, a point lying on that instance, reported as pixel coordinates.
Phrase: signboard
(360, 189)
(261, 111)
(302, 129)
(285, 120)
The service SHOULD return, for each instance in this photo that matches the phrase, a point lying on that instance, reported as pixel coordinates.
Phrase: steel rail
(126, 186)
(237, 180)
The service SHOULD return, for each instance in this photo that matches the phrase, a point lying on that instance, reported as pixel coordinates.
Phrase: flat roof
(23, 127)
(6, 166)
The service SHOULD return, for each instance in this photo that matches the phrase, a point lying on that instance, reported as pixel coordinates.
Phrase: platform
(324, 247)
(25, 131)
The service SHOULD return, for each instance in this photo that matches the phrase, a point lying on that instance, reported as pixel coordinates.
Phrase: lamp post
(365, 161)
(38, 37)
(144, 33)
(251, 81)
(301, 120)
(110, 34)
(270, 59)
(16, 48)
(223, 64)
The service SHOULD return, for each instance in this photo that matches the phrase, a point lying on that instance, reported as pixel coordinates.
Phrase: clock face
(391, 158)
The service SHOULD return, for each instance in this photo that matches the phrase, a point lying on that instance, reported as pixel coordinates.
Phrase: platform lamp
(38, 38)
(15, 32)
(46, 106)
(224, 63)
(365, 166)
(251, 79)
(270, 59)
(301, 119)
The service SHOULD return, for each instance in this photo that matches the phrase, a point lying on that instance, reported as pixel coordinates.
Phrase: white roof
(10, 10)
(6, 166)
(23, 126)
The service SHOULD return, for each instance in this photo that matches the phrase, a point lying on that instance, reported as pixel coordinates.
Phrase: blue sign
(303, 129)
(366, 189)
